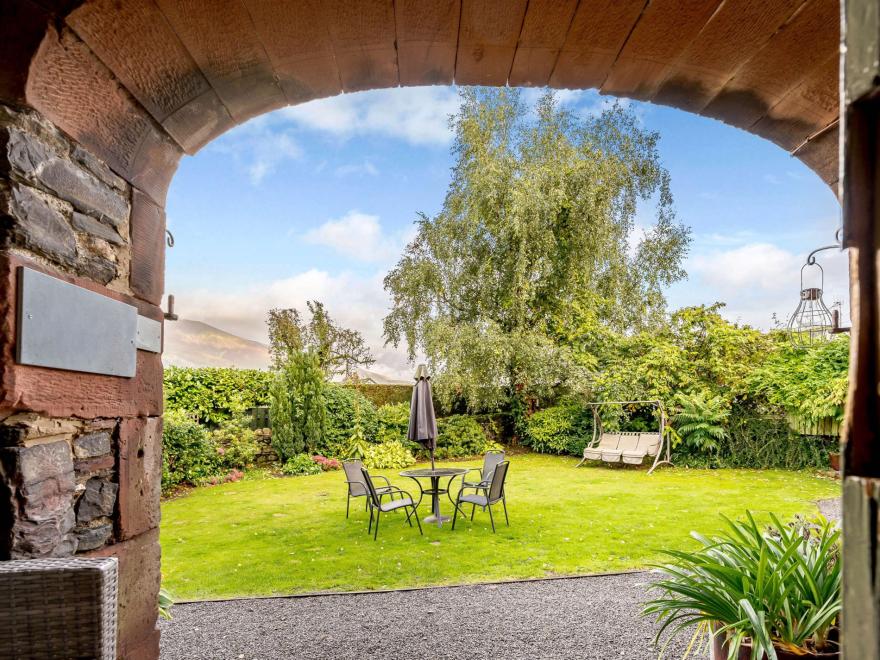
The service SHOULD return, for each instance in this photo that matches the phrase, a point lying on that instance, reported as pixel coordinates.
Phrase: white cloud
(352, 300)
(364, 168)
(418, 115)
(359, 236)
(259, 149)
(758, 280)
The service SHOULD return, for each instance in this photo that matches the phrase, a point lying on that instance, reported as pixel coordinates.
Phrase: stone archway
(100, 99)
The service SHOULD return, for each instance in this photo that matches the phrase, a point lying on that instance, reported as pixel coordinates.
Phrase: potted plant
(752, 594)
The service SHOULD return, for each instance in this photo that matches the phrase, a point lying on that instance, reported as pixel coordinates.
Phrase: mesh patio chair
(357, 487)
(491, 459)
(492, 496)
(404, 501)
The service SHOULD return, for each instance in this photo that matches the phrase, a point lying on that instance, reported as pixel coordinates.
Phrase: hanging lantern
(811, 322)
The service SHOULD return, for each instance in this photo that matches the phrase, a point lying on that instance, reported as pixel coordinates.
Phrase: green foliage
(338, 350)
(808, 384)
(777, 589)
(213, 395)
(761, 440)
(695, 350)
(461, 435)
(297, 408)
(393, 422)
(382, 395)
(236, 443)
(700, 422)
(540, 211)
(346, 410)
(166, 602)
(563, 429)
(189, 456)
(300, 464)
(388, 455)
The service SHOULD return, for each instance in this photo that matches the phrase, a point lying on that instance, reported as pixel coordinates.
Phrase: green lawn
(290, 535)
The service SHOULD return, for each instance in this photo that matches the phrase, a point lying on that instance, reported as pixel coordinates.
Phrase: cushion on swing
(607, 441)
(627, 442)
(648, 445)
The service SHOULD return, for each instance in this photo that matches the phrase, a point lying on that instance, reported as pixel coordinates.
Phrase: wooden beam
(543, 33)
(860, 186)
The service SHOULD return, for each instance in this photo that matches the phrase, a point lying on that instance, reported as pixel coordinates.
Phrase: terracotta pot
(834, 460)
(719, 649)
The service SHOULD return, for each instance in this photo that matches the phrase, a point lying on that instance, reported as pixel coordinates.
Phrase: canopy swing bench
(628, 447)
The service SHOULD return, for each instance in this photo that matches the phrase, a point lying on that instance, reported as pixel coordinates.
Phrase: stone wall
(80, 454)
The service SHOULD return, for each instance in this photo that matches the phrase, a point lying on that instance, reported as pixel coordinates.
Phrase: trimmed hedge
(214, 394)
(383, 395)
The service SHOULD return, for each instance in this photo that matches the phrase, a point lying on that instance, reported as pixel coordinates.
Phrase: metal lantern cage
(811, 322)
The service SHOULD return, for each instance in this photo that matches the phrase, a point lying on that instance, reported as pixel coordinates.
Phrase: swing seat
(607, 442)
(648, 445)
(628, 442)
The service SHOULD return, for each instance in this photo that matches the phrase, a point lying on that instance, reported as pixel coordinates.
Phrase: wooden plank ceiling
(198, 67)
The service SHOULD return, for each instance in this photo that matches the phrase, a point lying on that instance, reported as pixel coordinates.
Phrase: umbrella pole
(432, 458)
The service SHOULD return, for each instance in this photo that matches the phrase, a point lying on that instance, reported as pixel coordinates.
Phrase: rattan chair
(357, 487)
(493, 495)
(404, 501)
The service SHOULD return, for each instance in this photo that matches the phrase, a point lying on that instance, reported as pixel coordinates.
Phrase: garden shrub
(236, 443)
(327, 464)
(387, 456)
(300, 464)
(189, 455)
(346, 409)
(213, 394)
(563, 429)
(298, 408)
(393, 422)
(761, 439)
(461, 435)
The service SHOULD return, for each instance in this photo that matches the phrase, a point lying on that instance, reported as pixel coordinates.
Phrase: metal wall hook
(169, 238)
(170, 315)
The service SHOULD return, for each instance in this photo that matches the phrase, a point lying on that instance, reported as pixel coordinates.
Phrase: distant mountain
(197, 344)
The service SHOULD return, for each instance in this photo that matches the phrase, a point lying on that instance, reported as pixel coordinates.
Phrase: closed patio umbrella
(422, 422)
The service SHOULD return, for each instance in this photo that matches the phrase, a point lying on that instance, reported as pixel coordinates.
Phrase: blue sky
(318, 200)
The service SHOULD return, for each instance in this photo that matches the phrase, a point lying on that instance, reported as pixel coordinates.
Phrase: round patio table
(434, 491)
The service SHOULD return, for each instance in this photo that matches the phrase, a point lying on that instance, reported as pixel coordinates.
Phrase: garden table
(435, 475)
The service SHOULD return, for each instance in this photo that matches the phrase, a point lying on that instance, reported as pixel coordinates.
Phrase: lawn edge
(458, 585)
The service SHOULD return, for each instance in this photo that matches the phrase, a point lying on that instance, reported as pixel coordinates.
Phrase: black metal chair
(404, 501)
(491, 459)
(492, 495)
(357, 486)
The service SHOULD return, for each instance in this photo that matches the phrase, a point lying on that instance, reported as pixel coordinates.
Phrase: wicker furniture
(58, 608)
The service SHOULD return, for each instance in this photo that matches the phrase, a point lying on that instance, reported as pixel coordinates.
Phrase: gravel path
(587, 618)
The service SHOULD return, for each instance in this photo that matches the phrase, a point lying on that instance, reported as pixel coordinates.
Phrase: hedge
(382, 395)
(214, 394)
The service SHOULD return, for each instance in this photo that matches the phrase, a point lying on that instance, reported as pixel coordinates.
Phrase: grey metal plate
(63, 326)
(149, 334)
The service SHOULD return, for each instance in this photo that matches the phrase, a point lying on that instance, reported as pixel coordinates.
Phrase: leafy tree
(339, 350)
(540, 214)
(297, 407)
(700, 423)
